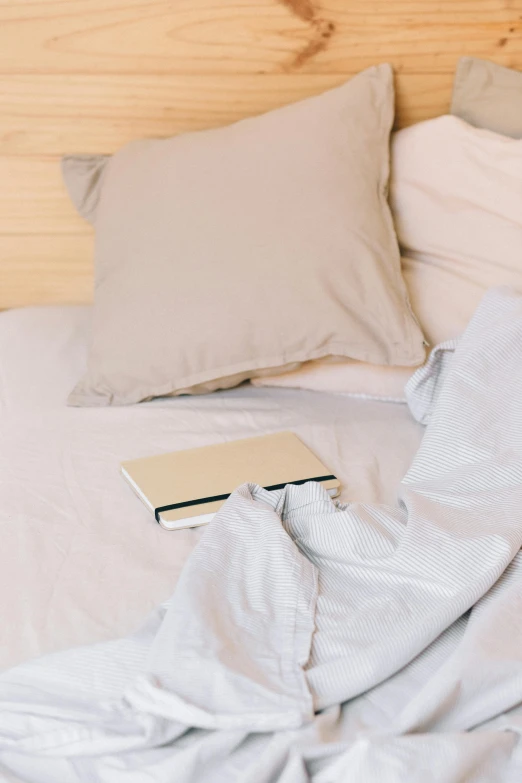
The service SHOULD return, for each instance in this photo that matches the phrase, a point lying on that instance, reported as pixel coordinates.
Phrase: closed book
(186, 488)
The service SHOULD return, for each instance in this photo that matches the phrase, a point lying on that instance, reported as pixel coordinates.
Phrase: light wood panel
(98, 114)
(45, 269)
(33, 199)
(88, 76)
(250, 36)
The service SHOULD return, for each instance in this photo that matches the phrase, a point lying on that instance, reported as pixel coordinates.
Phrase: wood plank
(53, 115)
(33, 199)
(45, 270)
(185, 36)
(101, 113)
(253, 36)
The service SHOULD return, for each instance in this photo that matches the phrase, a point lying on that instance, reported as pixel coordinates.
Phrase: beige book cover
(186, 488)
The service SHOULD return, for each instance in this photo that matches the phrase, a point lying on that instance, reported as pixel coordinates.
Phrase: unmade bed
(308, 640)
(221, 220)
(82, 559)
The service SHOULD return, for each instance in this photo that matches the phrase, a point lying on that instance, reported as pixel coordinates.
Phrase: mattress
(81, 560)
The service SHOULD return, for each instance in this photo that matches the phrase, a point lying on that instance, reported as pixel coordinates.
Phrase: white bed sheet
(81, 560)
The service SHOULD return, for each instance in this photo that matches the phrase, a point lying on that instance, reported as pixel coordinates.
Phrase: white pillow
(456, 198)
(358, 379)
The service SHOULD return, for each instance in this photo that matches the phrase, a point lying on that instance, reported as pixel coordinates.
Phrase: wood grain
(33, 199)
(47, 269)
(251, 36)
(47, 114)
(89, 76)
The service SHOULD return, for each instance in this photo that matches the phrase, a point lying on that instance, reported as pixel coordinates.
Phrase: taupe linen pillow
(488, 95)
(226, 254)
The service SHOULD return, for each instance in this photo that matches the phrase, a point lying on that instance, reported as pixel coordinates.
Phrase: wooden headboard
(89, 75)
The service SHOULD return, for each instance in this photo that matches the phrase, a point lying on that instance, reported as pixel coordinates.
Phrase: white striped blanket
(312, 641)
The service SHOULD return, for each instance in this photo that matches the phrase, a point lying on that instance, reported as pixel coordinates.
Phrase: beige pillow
(456, 198)
(224, 254)
(489, 96)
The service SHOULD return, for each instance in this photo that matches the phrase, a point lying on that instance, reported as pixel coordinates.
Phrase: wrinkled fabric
(87, 557)
(309, 640)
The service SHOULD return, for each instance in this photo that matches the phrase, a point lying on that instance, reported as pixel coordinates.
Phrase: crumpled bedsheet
(82, 560)
(309, 640)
